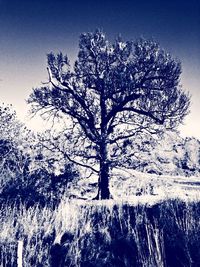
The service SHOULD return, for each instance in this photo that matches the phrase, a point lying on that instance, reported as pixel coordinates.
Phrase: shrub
(39, 187)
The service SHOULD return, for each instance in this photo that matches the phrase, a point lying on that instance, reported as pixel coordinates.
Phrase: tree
(13, 156)
(114, 92)
(10, 127)
(28, 173)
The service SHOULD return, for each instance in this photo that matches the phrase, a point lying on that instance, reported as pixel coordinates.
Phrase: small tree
(10, 126)
(14, 146)
(114, 92)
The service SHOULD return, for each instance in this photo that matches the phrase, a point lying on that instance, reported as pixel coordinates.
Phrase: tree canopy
(113, 92)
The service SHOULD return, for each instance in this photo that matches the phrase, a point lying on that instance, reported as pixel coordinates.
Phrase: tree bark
(103, 184)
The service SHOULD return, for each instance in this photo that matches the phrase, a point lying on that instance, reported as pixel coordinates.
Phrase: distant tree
(114, 92)
(10, 126)
(13, 157)
(28, 172)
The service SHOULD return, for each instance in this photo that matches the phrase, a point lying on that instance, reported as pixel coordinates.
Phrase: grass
(102, 233)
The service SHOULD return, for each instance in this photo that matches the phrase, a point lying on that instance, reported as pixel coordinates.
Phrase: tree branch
(118, 108)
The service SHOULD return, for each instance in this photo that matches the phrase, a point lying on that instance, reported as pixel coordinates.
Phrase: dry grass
(98, 232)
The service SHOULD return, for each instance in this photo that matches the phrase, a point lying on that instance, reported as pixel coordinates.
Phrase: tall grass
(102, 233)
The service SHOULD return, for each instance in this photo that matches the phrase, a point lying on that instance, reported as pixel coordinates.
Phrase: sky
(31, 29)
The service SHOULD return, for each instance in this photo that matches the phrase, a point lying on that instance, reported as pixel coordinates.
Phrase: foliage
(114, 92)
(15, 144)
(10, 126)
(169, 155)
(40, 187)
(27, 173)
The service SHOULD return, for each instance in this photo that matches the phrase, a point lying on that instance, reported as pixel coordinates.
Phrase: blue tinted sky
(31, 29)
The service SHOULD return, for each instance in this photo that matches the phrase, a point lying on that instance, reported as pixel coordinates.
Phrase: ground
(134, 186)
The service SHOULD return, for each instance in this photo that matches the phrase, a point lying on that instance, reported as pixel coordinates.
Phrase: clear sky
(29, 29)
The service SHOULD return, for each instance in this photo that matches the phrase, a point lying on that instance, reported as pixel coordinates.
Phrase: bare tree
(114, 92)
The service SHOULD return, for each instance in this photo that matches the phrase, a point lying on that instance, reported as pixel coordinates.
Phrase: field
(133, 186)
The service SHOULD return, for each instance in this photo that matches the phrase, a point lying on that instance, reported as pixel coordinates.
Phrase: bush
(40, 187)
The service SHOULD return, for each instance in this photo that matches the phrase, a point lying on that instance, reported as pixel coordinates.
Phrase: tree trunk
(103, 184)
